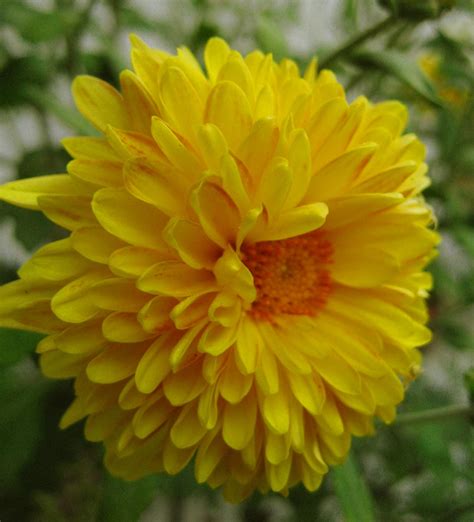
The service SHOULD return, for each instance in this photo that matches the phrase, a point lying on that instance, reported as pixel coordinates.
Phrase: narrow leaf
(397, 64)
(352, 492)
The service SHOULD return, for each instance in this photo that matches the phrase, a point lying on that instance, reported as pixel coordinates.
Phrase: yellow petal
(277, 447)
(146, 63)
(164, 189)
(185, 348)
(115, 363)
(89, 148)
(73, 414)
(233, 183)
(212, 145)
(294, 222)
(55, 261)
(139, 104)
(238, 425)
(266, 373)
(95, 243)
(339, 374)
(155, 315)
(258, 147)
(129, 145)
(386, 318)
(25, 192)
(181, 103)
(154, 365)
(123, 327)
(99, 102)
(59, 365)
(228, 108)
(118, 295)
(299, 161)
(210, 452)
(208, 410)
(225, 309)
(216, 339)
(127, 218)
(276, 413)
(175, 151)
(248, 346)
(309, 390)
(386, 390)
(187, 431)
(190, 242)
(151, 416)
(106, 173)
(184, 386)
(330, 418)
(217, 213)
(83, 338)
(235, 70)
(74, 303)
(69, 212)
(363, 267)
(215, 56)
(191, 310)
(324, 121)
(174, 278)
(233, 385)
(338, 140)
(175, 459)
(279, 474)
(275, 186)
(353, 344)
(335, 177)
(292, 360)
(349, 208)
(389, 180)
(133, 261)
(232, 274)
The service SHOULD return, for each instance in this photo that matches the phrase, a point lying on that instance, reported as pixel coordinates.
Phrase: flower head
(243, 279)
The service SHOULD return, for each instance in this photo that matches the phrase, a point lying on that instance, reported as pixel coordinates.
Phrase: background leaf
(398, 65)
(352, 492)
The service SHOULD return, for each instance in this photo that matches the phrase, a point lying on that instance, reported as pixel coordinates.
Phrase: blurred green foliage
(414, 472)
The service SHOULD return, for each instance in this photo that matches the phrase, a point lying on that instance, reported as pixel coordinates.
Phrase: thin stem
(356, 40)
(436, 414)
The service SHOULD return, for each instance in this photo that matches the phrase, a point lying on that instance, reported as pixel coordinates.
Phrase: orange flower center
(291, 276)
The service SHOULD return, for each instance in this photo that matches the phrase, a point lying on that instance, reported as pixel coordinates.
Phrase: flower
(431, 65)
(243, 279)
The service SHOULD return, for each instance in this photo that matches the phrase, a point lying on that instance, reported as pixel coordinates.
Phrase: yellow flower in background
(430, 64)
(243, 279)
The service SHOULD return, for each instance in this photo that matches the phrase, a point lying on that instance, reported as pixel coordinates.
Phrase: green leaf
(19, 74)
(22, 393)
(125, 501)
(37, 26)
(16, 344)
(352, 492)
(397, 64)
(469, 384)
(270, 38)
(64, 113)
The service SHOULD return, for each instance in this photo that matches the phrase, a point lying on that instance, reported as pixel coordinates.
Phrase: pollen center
(291, 276)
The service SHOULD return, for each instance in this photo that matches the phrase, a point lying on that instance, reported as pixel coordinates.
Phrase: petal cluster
(243, 280)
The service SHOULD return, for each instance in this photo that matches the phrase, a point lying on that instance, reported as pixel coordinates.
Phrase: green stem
(356, 40)
(434, 415)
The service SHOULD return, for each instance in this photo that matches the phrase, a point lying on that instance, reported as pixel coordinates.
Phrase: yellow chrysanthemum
(430, 64)
(243, 281)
